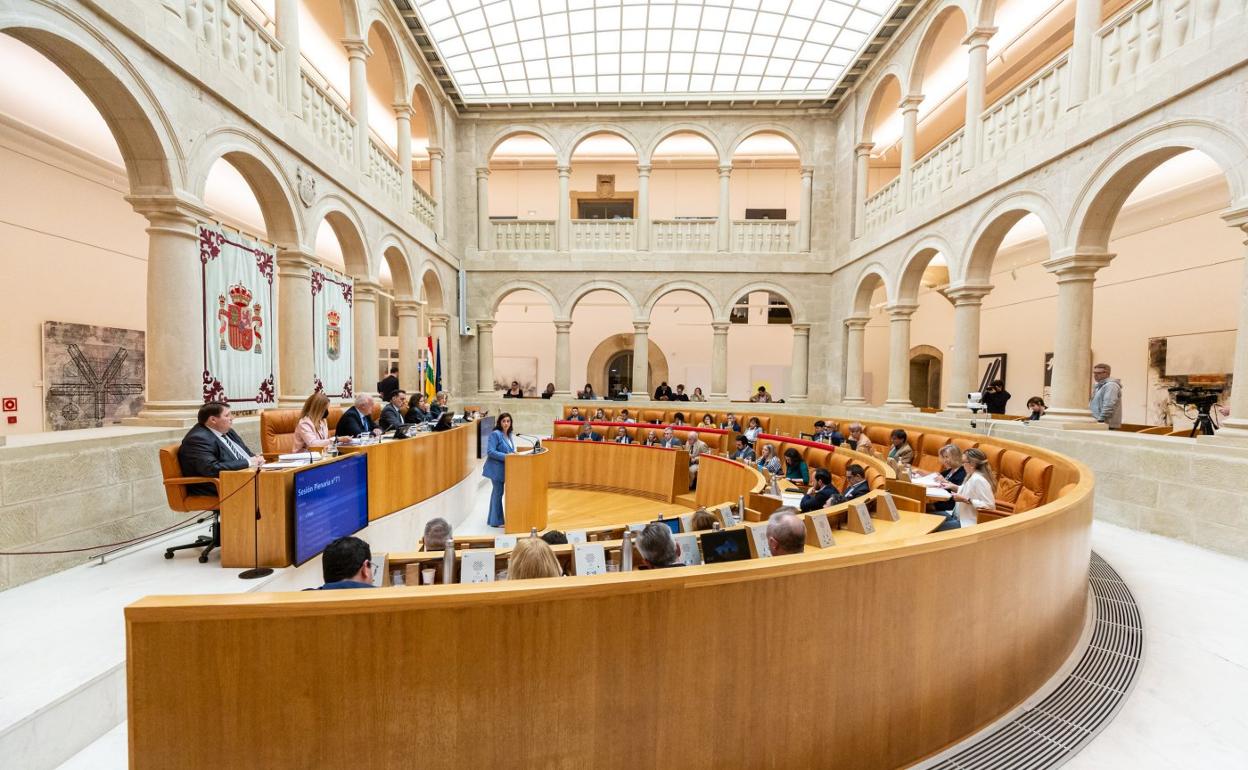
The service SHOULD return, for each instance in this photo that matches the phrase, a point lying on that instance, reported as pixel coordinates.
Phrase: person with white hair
(786, 534)
(358, 420)
(658, 548)
(696, 447)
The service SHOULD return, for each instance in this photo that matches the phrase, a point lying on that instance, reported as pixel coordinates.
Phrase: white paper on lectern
(576, 536)
(477, 566)
(689, 553)
(823, 529)
(589, 559)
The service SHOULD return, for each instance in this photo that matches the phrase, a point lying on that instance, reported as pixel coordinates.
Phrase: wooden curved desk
(891, 651)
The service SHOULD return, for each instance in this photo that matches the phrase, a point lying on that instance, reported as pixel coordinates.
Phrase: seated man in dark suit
(670, 441)
(212, 446)
(855, 482)
(347, 563)
(658, 549)
(358, 419)
(821, 492)
(731, 423)
(827, 435)
(575, 414)
(588, 433)
(392, 413)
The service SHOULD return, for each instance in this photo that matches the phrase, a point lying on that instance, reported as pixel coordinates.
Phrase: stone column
(358, 53)
(855, 334)
(296, 368)
(485, 235)
(899, 355)
(719, 361)
(435, 191)
(485, 356)
(403, 117)
(964, 355)
(641, 359)
(563, 357)
(439, 324)
(287, 29)
(804, 212)
(1087, 21)
(643, 207)
(364, 305)
(1236, 426)
(862, 158)
(799, 388)
(725, 211)
(977, 74)
(563, 229)
(1072, 342)
(909, 136)
(410, 343)
(175, 359)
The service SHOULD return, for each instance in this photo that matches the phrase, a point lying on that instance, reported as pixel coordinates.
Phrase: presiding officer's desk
(401, 473)
(893, 647)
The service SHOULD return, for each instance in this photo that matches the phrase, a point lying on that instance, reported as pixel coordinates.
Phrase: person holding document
(499, 445)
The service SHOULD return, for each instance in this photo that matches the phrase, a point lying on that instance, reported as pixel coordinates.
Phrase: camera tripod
(1203, 424)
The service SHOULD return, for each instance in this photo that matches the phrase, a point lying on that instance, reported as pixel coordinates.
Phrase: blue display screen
(331, 501)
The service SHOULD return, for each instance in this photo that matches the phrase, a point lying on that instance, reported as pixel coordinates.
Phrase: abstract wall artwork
(93, 375)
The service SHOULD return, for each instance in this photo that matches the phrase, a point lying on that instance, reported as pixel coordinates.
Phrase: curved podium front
(524, 498)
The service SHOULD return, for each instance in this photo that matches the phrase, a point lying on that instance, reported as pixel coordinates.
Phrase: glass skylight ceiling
(659, 50)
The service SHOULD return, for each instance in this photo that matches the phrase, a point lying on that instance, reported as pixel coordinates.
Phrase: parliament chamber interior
(624, 383)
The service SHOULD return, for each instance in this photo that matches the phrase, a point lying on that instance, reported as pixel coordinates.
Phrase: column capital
(967, 293)
(856, 323)
(1077, 265)
(485, 325)
(910, 103)
(808, 171)
(483, 172)
(366, 290)
(438, 318)
(725, 170)
(644, 169)
(720, 327)
(801, 329)
(436, 153)
(408, 308)
(295, 260)
(563, 326)
(979, 36)
(641, 327)
(564, 170)
(901, 310)
(863, 149)
(402, 111)
(357, 49)
(1237, 217)
(166, 207)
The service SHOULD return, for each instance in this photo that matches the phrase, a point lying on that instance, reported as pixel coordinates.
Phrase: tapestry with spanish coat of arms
(332, 332)
(240, 335)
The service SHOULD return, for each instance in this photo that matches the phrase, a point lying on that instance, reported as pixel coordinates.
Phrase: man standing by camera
(996, 397)
(1106, 403)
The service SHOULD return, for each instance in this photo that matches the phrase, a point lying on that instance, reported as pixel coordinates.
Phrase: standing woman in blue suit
(498, 447)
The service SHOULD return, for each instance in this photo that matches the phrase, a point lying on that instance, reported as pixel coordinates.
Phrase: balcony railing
(684, 234)
(423, 207)
(383, 171)
(244, 46)
(764, 235)
(330, 123)
(603, 234)
(881, 206)
(1027, 111)
(524, 234)
(937, 170)
(1144, 32)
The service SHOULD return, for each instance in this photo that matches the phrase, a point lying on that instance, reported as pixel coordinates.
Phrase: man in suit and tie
(588, 433)
(821, 492)
(358, 419)
(669, 439)
(855, 482)
(392, 413)
(212, 446)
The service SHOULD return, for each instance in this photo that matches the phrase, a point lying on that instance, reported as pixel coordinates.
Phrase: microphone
(537, 440)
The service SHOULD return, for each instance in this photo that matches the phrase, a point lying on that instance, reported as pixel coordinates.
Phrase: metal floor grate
(1052, 731)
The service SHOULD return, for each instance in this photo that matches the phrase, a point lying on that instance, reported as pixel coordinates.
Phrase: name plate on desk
(886, 508)
(637, 527)
(477, 566)
(589, 559)
(819, 530)
(727, 517)
(686, 522)
(576, 536)
(860, 519)
(758, 542)
(689, 552)
(504, 541)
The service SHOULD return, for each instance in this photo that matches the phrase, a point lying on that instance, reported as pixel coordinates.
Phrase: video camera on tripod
(1202, 399)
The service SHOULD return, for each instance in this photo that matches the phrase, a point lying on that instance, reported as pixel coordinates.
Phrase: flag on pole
(438, 370)
(431, 385)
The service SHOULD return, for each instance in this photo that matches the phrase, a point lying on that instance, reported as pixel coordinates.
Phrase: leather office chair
(176, 494)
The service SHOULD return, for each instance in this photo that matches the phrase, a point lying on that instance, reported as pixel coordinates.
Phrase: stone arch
(400, 266)
(864, 287)
(263, 172)
(930, 361)
(431, 286)
(593, 286)
(517, 130)
(139, 125)
(799, 315)
(683, 128)
(1095, 210)
(352, 22)
(892, 74)
(975, 266)
(985, 13)
(347, 226)
(916, 263)
(425, 104)
(596, 364)
(922, 52)
(390, 50)
(599, 128)
(513, 286)
(770, 128)
(717, 311)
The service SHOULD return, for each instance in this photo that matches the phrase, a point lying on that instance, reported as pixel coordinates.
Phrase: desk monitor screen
(725, 545)
(331, 501)
(672, 524)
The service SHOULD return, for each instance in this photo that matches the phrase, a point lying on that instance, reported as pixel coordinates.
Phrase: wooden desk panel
(721, 480)
(630, 469)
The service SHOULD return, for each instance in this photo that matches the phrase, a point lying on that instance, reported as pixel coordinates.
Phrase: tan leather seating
(176, 484)
(927, 458)
(1010, 478)
(878, 435)
(1037, 475)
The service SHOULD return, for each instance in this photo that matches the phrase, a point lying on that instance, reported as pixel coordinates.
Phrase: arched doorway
(925, 372)
(619, 373)
(610, 365)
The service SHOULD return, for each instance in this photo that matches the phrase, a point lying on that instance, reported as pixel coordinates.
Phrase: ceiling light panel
(660, 50)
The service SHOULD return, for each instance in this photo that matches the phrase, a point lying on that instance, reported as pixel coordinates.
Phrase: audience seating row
(693, 414)
(718, 440)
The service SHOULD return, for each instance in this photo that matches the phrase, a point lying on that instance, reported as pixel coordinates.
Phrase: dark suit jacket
(416, 415)
(672, 443)
(391, 417)
(815, 500)
(387, 387)
(203, 454)
(857, 490)
(591, 436)
(352, 423)
(956, 477)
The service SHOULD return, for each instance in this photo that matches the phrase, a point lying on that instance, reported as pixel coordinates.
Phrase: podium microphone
(537, 440)
(256, 570)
